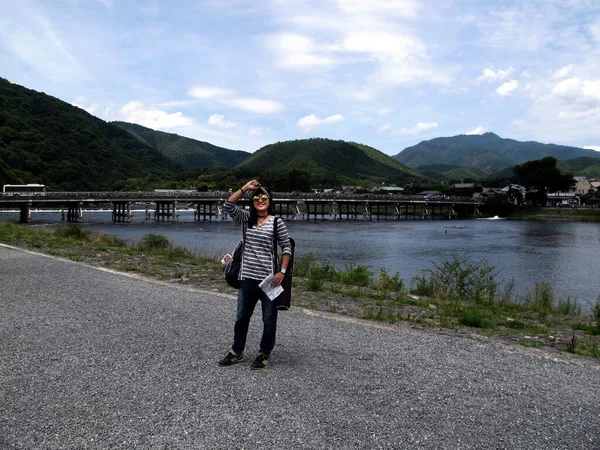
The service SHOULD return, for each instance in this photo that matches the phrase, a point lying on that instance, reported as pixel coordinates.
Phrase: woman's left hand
(278, 278)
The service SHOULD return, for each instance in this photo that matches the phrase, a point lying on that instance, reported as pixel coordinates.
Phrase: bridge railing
(223, 195)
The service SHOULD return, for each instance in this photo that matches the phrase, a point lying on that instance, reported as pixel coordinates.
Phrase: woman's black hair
(253, 219)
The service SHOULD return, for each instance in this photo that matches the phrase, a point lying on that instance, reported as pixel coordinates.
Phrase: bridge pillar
(74, 212)
(287, 209)
(367, 211)
(204, 210)
(165, 211)
(333, 211)
(25, 215)
(121, 212)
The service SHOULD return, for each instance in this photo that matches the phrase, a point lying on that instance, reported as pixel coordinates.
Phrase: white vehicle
(17, 190)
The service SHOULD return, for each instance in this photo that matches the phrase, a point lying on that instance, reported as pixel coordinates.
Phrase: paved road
(94, 359)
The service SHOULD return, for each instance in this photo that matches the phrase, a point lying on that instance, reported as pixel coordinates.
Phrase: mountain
(185, 152)
(45, 140)
(449, 172)
(589, 167)
(326, 160)
(486, 151)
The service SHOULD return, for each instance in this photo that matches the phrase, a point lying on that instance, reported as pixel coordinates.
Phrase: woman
(258, 262)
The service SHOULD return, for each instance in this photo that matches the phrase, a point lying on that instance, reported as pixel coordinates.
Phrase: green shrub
(326, 271)
(318, 274)
(507, 293)
(355, 275)
(152, 241)
(542, 297)
(421, 285)
(460, 279)
(314, 281)
(303, 264)
(568, 307)
(472, 317)
(386, 283)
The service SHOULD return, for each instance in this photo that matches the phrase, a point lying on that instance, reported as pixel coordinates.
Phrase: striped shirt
(257, 258)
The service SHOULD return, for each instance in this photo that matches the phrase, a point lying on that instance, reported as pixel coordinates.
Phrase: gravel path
(95, 359)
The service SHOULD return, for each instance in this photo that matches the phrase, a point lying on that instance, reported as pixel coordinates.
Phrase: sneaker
(230, 359)
(260, 362)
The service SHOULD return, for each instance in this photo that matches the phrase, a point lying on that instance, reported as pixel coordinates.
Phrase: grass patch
(529, 343)
(596, 318)
(477, 317)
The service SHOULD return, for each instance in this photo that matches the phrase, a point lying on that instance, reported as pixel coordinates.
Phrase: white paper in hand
(267, 286)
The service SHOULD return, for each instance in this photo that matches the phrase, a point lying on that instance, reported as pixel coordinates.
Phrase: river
(564, 254)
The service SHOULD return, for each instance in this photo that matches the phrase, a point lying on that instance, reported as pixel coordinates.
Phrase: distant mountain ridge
(487, 151)
(46, 140)
(330, 159)
(186, 152)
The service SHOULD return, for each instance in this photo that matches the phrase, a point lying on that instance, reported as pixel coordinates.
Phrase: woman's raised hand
(251, 185)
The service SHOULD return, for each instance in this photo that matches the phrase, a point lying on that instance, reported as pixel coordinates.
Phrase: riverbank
(564, 214)
(539, 320)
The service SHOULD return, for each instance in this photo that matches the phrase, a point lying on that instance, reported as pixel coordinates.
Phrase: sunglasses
(263, 197)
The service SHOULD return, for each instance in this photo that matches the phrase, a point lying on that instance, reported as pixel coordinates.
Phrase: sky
(389, 74)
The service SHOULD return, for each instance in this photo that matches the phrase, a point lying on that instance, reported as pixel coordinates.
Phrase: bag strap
(244, 228)
(275, 244)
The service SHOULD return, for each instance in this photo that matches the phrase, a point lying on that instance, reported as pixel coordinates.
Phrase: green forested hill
(590, 167)
(486, 151)
(449, 172)
(187, 153)
(45, 140)
(327, 160)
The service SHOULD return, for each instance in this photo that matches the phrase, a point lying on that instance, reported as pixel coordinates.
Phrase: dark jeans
(248, 295)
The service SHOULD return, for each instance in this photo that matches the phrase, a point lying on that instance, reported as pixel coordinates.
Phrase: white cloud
(593, 147)
(398, 74)
(228, 97)
(218, 120)
(398, 58)
(136, 112)
(255, 105)
(204, 92)
(257, 131)
(418, 128)
(383, 111)
(490, 75)
(298, 52)
(563, 72)
(364, 36)
(176, 104)
(307, 123)
(393, 45)
(384, 128)
(577, 115)
(580, 95)
(478, 130)
(507, 88)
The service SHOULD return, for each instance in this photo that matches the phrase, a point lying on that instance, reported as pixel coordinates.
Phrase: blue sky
(389, 74)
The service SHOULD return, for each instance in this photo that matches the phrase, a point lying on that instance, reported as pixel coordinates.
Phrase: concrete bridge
(164, 206)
